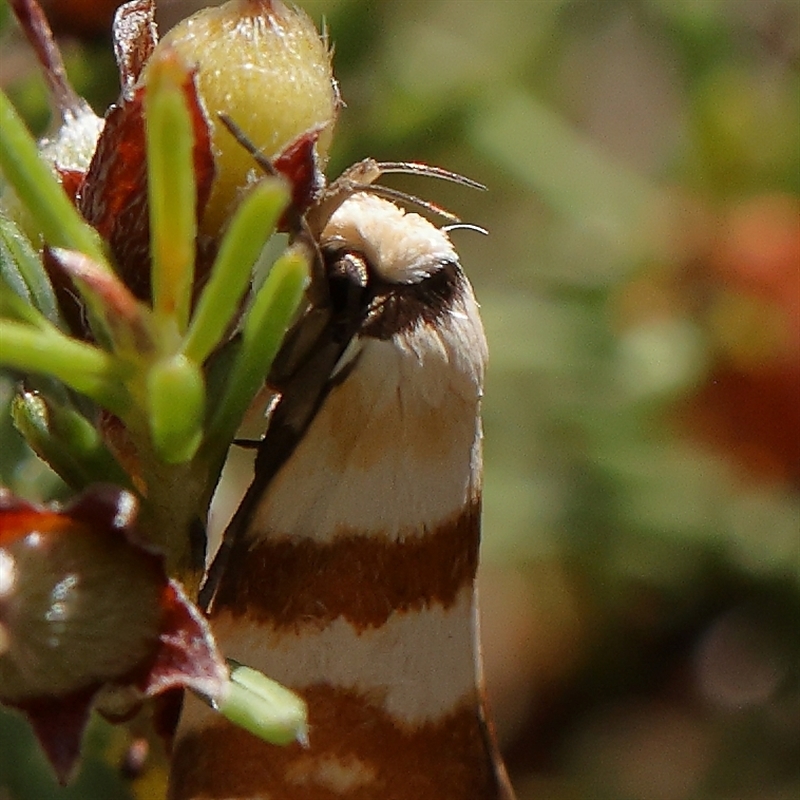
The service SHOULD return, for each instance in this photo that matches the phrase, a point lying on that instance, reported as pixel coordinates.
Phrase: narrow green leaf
(86, 369)
(39, 190)
(249, 231)
(16, 305)
(66, 440)
(171, 189)
(20, 263)
(265, 324)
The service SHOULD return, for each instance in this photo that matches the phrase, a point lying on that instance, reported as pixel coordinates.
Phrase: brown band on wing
(358, 752)
(363, 578)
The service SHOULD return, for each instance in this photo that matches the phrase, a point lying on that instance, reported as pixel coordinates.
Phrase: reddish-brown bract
(113, 197)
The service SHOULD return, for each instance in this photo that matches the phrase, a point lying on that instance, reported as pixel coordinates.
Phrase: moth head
(376, 268)
(396, 265)
(356, 213)
(396, 246)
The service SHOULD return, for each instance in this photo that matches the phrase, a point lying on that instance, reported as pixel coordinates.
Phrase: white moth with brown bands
(348, 571)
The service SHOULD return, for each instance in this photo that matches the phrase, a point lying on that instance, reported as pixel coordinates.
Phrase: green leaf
(263, 707)
(65, 440)
(15, 301)
(171, 189)
(264, 327)
(23, 270)
(86, 369)
(249, 230)
(175, 406)
(39, 190)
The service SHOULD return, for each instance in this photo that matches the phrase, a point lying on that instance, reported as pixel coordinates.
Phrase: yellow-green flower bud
(265, 66)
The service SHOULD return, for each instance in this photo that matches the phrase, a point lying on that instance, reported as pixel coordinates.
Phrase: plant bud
(78, 605)
(175, 400)
(265, 66)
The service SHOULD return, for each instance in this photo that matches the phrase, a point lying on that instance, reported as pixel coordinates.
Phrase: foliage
(639, 287)
(138, 345)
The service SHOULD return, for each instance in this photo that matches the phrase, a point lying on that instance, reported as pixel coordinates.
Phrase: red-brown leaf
(123, 315)
(298, 163)
(59, 723)
(113, 198)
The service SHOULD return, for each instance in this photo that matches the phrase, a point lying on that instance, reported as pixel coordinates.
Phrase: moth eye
(352, 266)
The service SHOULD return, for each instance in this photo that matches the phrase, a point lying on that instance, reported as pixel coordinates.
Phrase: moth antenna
(395, 194)
(466, 226)
(363, 177)
(241, 137)
(427, 171)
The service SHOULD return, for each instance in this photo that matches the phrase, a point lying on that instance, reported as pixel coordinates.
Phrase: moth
(348, 571)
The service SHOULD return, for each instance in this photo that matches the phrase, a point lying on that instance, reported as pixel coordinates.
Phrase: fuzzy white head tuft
(402, 247)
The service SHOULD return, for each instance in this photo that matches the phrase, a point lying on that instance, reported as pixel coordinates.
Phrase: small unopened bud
(78, 606)
(262, 706)
(176, 401)
(265, 66)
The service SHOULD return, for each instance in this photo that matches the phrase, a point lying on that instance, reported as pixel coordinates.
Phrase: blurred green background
(640, 286)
